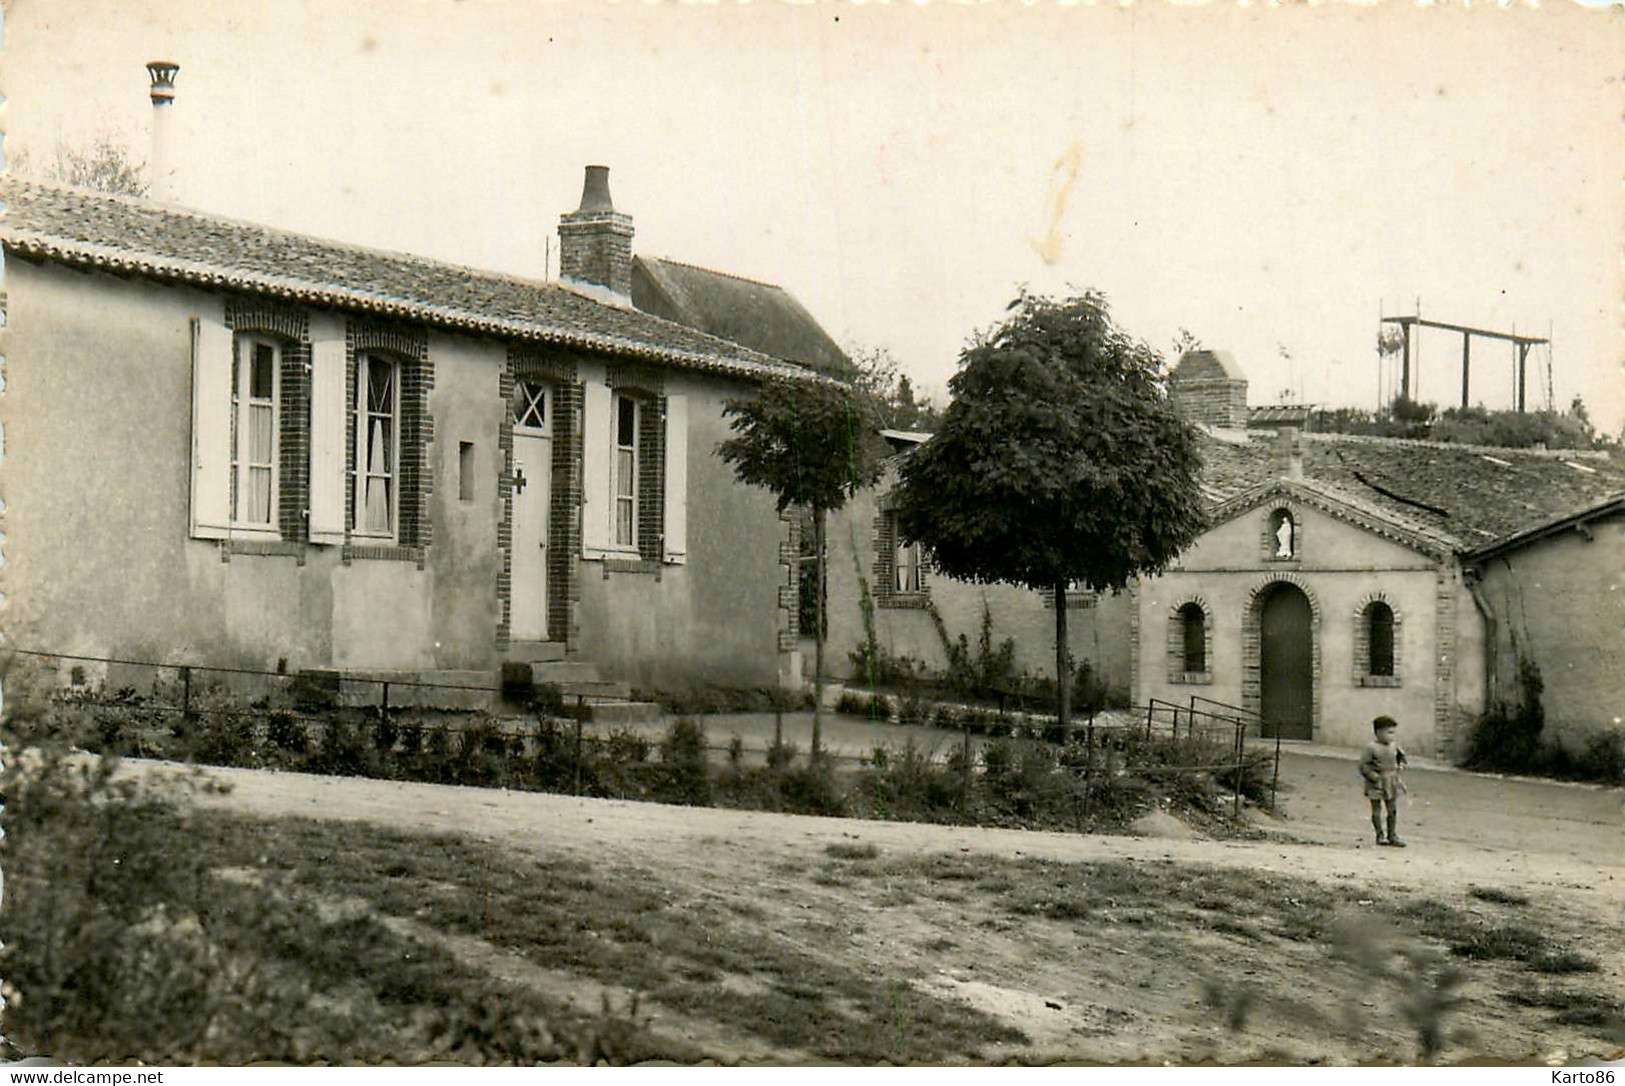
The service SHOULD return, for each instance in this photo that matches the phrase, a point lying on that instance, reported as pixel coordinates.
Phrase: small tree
(888, 393)
(811, 445)
(106, 166)
(1059, 461)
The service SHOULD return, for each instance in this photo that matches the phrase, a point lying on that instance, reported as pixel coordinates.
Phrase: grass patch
(1497, 896)
(127, 946)
(1565, 961)
(1468, 937)
(1574, 1007)
(842, 850)
(619, 926)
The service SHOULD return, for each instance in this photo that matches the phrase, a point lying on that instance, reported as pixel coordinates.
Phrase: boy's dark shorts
(1385, 788)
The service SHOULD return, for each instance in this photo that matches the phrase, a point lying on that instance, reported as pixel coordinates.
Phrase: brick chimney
(1208, 387)
(1288, 453)
(595, 240)
(162, 165)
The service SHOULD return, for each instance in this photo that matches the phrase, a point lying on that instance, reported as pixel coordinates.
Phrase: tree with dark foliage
(812, 445)
(1060, 461)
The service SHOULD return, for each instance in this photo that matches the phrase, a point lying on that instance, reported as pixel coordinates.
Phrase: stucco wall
(98, 411)
(1098, 634)
(98, 419)
(1563, 599)
(713, 620)
(1339, 567)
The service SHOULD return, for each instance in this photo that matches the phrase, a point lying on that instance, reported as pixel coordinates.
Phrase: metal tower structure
(1521, 343)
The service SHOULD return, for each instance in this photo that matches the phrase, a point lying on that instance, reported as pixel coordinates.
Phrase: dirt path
(1459, 852)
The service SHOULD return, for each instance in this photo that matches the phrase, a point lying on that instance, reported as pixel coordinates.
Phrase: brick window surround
(1078, 598)
(408, 345)
(289, 327)
(1180, 616)
(886, 540)
(1363, 618)
(647, 386)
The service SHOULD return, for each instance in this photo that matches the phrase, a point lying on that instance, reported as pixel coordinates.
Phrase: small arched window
(1193, 624)
(1379, 624)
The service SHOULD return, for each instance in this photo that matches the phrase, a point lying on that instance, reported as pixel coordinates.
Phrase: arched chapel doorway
(1286, 662)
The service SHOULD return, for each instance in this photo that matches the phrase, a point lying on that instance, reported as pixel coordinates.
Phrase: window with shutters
(634, 475)
(377, 446)
(255, 445)
(627, 410)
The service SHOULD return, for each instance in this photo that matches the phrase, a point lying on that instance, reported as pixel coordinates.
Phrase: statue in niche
(1283, 537)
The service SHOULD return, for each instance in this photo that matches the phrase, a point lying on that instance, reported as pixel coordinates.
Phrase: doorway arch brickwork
(1252, 690)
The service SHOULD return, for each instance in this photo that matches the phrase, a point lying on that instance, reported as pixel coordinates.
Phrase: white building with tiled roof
(233, 445)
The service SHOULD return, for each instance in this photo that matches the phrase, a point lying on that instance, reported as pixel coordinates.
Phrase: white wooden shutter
(597, 436)
(676, 518)
(211, 429)
(329, 439)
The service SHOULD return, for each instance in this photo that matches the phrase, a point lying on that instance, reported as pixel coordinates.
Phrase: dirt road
(1462, 827)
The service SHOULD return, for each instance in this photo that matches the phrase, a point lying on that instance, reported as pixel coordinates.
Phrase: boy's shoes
(1394, 842)
(1382, 840)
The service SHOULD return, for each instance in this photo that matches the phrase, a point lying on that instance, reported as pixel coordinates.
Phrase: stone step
(614, 711)
(601, 688)
(564, 671)
(536, 652)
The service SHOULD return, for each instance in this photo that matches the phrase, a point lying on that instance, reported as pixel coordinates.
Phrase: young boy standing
(1380, 766)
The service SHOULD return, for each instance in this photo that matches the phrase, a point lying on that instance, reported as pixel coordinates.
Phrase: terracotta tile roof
(1470, 496)
(129, 236)
(761, 316)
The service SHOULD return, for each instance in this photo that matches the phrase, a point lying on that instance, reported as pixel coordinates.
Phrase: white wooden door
(533, 472)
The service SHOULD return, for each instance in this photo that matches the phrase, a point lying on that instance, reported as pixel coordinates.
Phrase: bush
(411, 737)
(224, 738)
(909, 785)
(685, 776)
(852, 704)
(811, 789)
(341, 753)
(626, 746)
(284, 732)
(482, 756)
(781, 754)
(547, 699)
(1604, 759)
(1088, 691)
(1508, 737)
(110, 964)
(385, 733)
(1025, 781)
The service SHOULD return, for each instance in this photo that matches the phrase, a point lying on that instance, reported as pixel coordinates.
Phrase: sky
(1271, 178)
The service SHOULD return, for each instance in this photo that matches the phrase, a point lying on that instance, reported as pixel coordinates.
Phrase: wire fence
(1156, 741)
